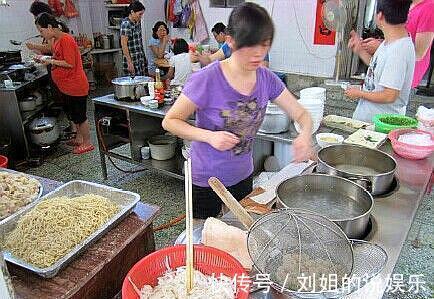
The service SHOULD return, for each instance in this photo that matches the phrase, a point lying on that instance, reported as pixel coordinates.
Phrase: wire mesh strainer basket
(303, 252)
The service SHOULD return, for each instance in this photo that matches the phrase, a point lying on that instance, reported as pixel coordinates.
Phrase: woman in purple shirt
(229, 98)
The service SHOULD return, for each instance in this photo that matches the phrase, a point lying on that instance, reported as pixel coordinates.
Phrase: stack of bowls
(313, 99)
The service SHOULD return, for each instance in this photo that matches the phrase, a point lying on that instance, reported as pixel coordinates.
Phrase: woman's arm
(42, 48)
(60, 63)
(422, 43)
(175, 122)
(303, 143)
(207, 59)
(159, 51)
(170, 73)
(386, 96)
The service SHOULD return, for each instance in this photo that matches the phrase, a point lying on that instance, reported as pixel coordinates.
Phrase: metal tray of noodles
(23, 208)
(126, 200)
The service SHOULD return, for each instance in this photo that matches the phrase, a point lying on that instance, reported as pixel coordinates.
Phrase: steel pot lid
(132, 80)
(43, 123)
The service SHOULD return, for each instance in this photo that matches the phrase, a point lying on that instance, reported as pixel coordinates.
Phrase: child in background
(180, 64)
(388, 80)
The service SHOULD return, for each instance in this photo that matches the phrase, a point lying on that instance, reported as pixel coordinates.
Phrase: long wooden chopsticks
(189, 226)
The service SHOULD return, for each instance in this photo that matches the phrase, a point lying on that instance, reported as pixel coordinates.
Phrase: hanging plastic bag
(56, 6)
(70, 10)
(170, 11)
(177, 8)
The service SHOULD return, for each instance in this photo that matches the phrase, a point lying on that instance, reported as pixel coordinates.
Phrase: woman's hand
(222, 140)
(302, 147)
(130, 68)
(353, 93)
(30, 46)
(165, 39)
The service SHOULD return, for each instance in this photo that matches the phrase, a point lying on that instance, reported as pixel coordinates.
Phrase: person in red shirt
(68, 75)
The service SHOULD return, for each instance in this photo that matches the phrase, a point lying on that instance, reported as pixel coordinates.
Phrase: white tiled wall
(16, 22)
(293, 50)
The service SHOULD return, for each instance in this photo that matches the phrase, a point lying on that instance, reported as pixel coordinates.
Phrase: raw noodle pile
(172, 286)
(56, 225)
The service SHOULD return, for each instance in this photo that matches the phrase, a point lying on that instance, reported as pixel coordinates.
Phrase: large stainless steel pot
(370, 168)
(342, 201)
(275, 120)
(44, 131)
(131, 88)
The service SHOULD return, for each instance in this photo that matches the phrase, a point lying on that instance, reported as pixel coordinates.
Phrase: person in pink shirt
(420, 25)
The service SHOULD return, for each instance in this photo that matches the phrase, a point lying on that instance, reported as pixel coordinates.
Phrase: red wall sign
(322, 36)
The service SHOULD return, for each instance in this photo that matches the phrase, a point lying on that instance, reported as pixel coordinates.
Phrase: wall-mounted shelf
(116, 5)
(105, 51)
(114, 27)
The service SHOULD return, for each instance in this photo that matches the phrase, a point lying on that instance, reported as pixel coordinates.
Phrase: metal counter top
(392, 217)
(37, 75)
(138, 107)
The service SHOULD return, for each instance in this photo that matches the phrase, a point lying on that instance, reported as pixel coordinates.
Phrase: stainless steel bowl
(370, 168)
(342, 201)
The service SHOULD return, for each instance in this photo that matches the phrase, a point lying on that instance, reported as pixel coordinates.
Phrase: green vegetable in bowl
(396, 121)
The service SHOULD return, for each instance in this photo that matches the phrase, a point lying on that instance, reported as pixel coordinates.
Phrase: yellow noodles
(56, 225)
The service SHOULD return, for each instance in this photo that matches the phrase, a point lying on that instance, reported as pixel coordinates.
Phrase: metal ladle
(18, 43)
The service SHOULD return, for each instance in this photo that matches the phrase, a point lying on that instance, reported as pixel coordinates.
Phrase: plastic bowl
(207, 260)
(321, 139)
(387, 122)
(409, 151)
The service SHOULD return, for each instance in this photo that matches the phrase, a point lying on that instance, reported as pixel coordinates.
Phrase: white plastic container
(313, 92)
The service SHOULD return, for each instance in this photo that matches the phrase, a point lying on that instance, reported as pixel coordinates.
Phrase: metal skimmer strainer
(303, 252)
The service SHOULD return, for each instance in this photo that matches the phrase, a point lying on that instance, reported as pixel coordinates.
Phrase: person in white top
(180, 64)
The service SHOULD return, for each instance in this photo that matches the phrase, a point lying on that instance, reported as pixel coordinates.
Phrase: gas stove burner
(394, 186)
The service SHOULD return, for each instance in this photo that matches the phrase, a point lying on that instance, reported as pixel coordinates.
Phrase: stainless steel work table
(141, 122)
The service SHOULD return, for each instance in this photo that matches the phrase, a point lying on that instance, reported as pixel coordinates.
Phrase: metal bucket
(342, 201)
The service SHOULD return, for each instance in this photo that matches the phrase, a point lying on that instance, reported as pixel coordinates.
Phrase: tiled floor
(167, 193)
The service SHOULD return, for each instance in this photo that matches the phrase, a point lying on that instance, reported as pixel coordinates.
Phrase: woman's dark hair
(39, 7)
(218, 28)
(45, 19)
(155, 29)
(395, 11)
(180, 46)
(135, 6)
(249, 25)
